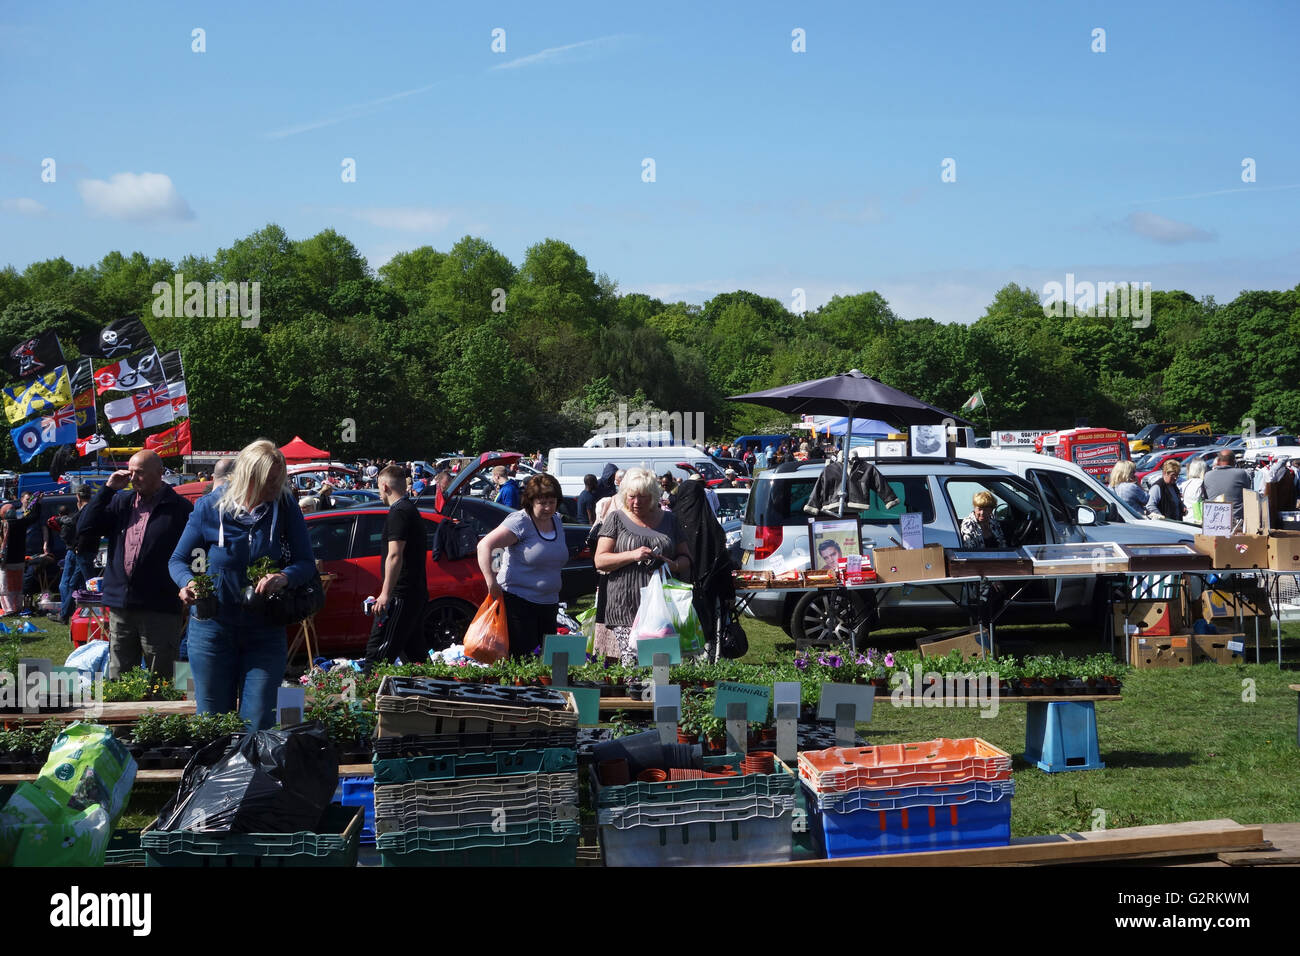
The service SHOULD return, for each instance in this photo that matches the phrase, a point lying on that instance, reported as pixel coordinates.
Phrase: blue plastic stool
(1062, 736)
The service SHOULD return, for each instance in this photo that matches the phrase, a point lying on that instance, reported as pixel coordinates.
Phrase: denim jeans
(231, 662)
(77, 570)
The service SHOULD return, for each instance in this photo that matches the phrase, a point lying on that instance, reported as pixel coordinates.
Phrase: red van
(1095, 450)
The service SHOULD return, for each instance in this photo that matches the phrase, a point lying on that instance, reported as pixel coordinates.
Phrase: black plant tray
(162, 758)
(430, 745)
(12, 763)
(467, 693)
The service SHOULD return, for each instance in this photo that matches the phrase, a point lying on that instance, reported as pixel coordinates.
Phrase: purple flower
(835, 661)
(821, 659)
(889, 660)
(537, 650)
(801, 663)
(861, 660)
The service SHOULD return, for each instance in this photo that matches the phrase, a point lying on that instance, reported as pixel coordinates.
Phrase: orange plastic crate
(931, 762)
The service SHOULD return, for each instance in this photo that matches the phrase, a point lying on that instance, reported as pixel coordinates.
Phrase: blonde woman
(637, 537)
(236, 655)
(1123, 481)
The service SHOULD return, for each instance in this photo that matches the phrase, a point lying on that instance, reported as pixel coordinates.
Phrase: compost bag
(273, 781)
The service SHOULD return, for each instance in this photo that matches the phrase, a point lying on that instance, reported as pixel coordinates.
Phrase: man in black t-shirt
(398, 630)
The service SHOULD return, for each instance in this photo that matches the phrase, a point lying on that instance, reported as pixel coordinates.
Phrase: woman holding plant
(245, 542)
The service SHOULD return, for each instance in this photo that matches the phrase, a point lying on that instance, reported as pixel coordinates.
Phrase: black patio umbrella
(856, 395)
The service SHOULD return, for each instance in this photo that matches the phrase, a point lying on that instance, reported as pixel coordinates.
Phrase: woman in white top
(1194, 492)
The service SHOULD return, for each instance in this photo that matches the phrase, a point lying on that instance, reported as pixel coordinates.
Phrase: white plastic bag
(654, 618)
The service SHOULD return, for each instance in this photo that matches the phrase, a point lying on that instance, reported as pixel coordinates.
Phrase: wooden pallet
(119, 712)
(1196, 838)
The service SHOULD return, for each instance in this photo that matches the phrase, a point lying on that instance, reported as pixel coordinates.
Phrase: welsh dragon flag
(974, 402)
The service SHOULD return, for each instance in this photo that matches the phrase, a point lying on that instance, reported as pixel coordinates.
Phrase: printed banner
(171, 443)
(140, 371)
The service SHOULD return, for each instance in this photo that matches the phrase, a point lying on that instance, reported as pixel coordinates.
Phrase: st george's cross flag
(180, 400)
(143, 409)
(57, 428)
(131, 373)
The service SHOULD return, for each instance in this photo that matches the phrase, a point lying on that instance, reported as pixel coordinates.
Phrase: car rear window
(781, 502)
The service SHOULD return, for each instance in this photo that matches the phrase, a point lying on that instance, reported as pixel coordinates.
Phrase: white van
(569, 465)
(632, 439)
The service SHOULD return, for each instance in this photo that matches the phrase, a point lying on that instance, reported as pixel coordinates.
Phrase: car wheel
(445, 622)
(830, 617)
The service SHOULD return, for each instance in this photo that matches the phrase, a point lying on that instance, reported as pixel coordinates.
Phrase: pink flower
(889, 659)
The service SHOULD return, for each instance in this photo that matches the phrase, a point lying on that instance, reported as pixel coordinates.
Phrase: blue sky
(774, 170)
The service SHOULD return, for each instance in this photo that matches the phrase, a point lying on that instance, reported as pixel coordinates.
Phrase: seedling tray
(662, 795)
(698, 811)
(534, 844)
(453, 766)
(335, 844)
(428, 745)
(900, 798)
(931, 762)
(420, 706)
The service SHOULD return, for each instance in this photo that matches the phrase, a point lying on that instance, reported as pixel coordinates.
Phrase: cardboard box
(1284, 550)
(1219, 606)
(1151, 618)
(1154, 652)
(1213, 647)
(941, 645)
(914, 564)
(1235, 551)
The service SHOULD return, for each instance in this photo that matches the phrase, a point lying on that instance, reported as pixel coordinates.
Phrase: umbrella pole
(844, 501)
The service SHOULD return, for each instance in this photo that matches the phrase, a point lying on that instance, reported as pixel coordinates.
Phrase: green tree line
(464, 349)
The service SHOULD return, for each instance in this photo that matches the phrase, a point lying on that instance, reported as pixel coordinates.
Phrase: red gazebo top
(298, 450)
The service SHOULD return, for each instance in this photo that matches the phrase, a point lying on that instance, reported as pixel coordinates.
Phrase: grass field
(1184, 744)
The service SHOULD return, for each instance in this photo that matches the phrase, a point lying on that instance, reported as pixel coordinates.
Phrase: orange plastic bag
(488, 639)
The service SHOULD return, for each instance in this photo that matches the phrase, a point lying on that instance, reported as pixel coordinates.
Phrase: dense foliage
(462, 349)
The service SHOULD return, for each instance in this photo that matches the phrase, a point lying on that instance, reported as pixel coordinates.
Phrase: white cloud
(23, 207)
(1151, 225)
(405, 218)
(134, 197)
(557, 52)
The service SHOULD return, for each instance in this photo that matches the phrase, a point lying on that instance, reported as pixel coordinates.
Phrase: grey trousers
(136, 633)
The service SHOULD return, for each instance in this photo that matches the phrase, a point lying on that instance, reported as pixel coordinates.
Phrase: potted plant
(205, 593)
(261, 568)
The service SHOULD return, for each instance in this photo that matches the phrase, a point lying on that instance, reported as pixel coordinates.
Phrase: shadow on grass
(1129, 759)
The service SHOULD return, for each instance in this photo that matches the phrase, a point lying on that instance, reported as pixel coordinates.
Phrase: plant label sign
(786, 699)
(646, 650)
(667, 711)
(587, 700)
(290, 703)
(910, 529)
(563, 651)
(1216, 518)
(755, 697)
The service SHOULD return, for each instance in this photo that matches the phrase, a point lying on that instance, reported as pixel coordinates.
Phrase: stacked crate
(937, 795)
(728, 813)
(475, 774)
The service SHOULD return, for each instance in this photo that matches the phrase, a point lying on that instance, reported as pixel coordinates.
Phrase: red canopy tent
(298, 450)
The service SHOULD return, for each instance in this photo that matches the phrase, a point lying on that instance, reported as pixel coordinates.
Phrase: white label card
(911, 530)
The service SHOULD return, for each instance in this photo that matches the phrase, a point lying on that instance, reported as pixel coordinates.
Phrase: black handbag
(293, 604)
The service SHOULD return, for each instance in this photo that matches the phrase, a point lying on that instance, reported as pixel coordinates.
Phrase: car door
(331, 543)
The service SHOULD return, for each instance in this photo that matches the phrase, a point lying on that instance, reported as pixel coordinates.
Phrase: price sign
(1216, 518)
(911, 531)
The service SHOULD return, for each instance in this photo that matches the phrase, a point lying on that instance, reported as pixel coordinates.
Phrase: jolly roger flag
(34, 357)
(116, 339)
(135, 372)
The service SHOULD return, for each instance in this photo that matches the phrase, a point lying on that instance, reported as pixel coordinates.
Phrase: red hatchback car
(350, 543)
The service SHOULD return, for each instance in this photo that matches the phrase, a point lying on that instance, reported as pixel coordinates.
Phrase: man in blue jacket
(142, 527)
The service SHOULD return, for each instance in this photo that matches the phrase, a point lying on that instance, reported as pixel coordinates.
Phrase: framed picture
(928, 441)
(831, 541)
(891, 448)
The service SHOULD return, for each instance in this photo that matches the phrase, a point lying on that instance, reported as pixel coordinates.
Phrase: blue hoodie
(243, 546)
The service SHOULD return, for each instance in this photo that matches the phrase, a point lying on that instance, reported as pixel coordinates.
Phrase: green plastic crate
(496, 764)
(335, 845)
(533, 844)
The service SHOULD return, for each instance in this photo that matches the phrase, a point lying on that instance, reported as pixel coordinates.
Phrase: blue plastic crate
(911, 830)
(360, 792)
(899, 798)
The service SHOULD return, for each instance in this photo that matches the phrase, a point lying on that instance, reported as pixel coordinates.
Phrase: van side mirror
(1087, 517)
